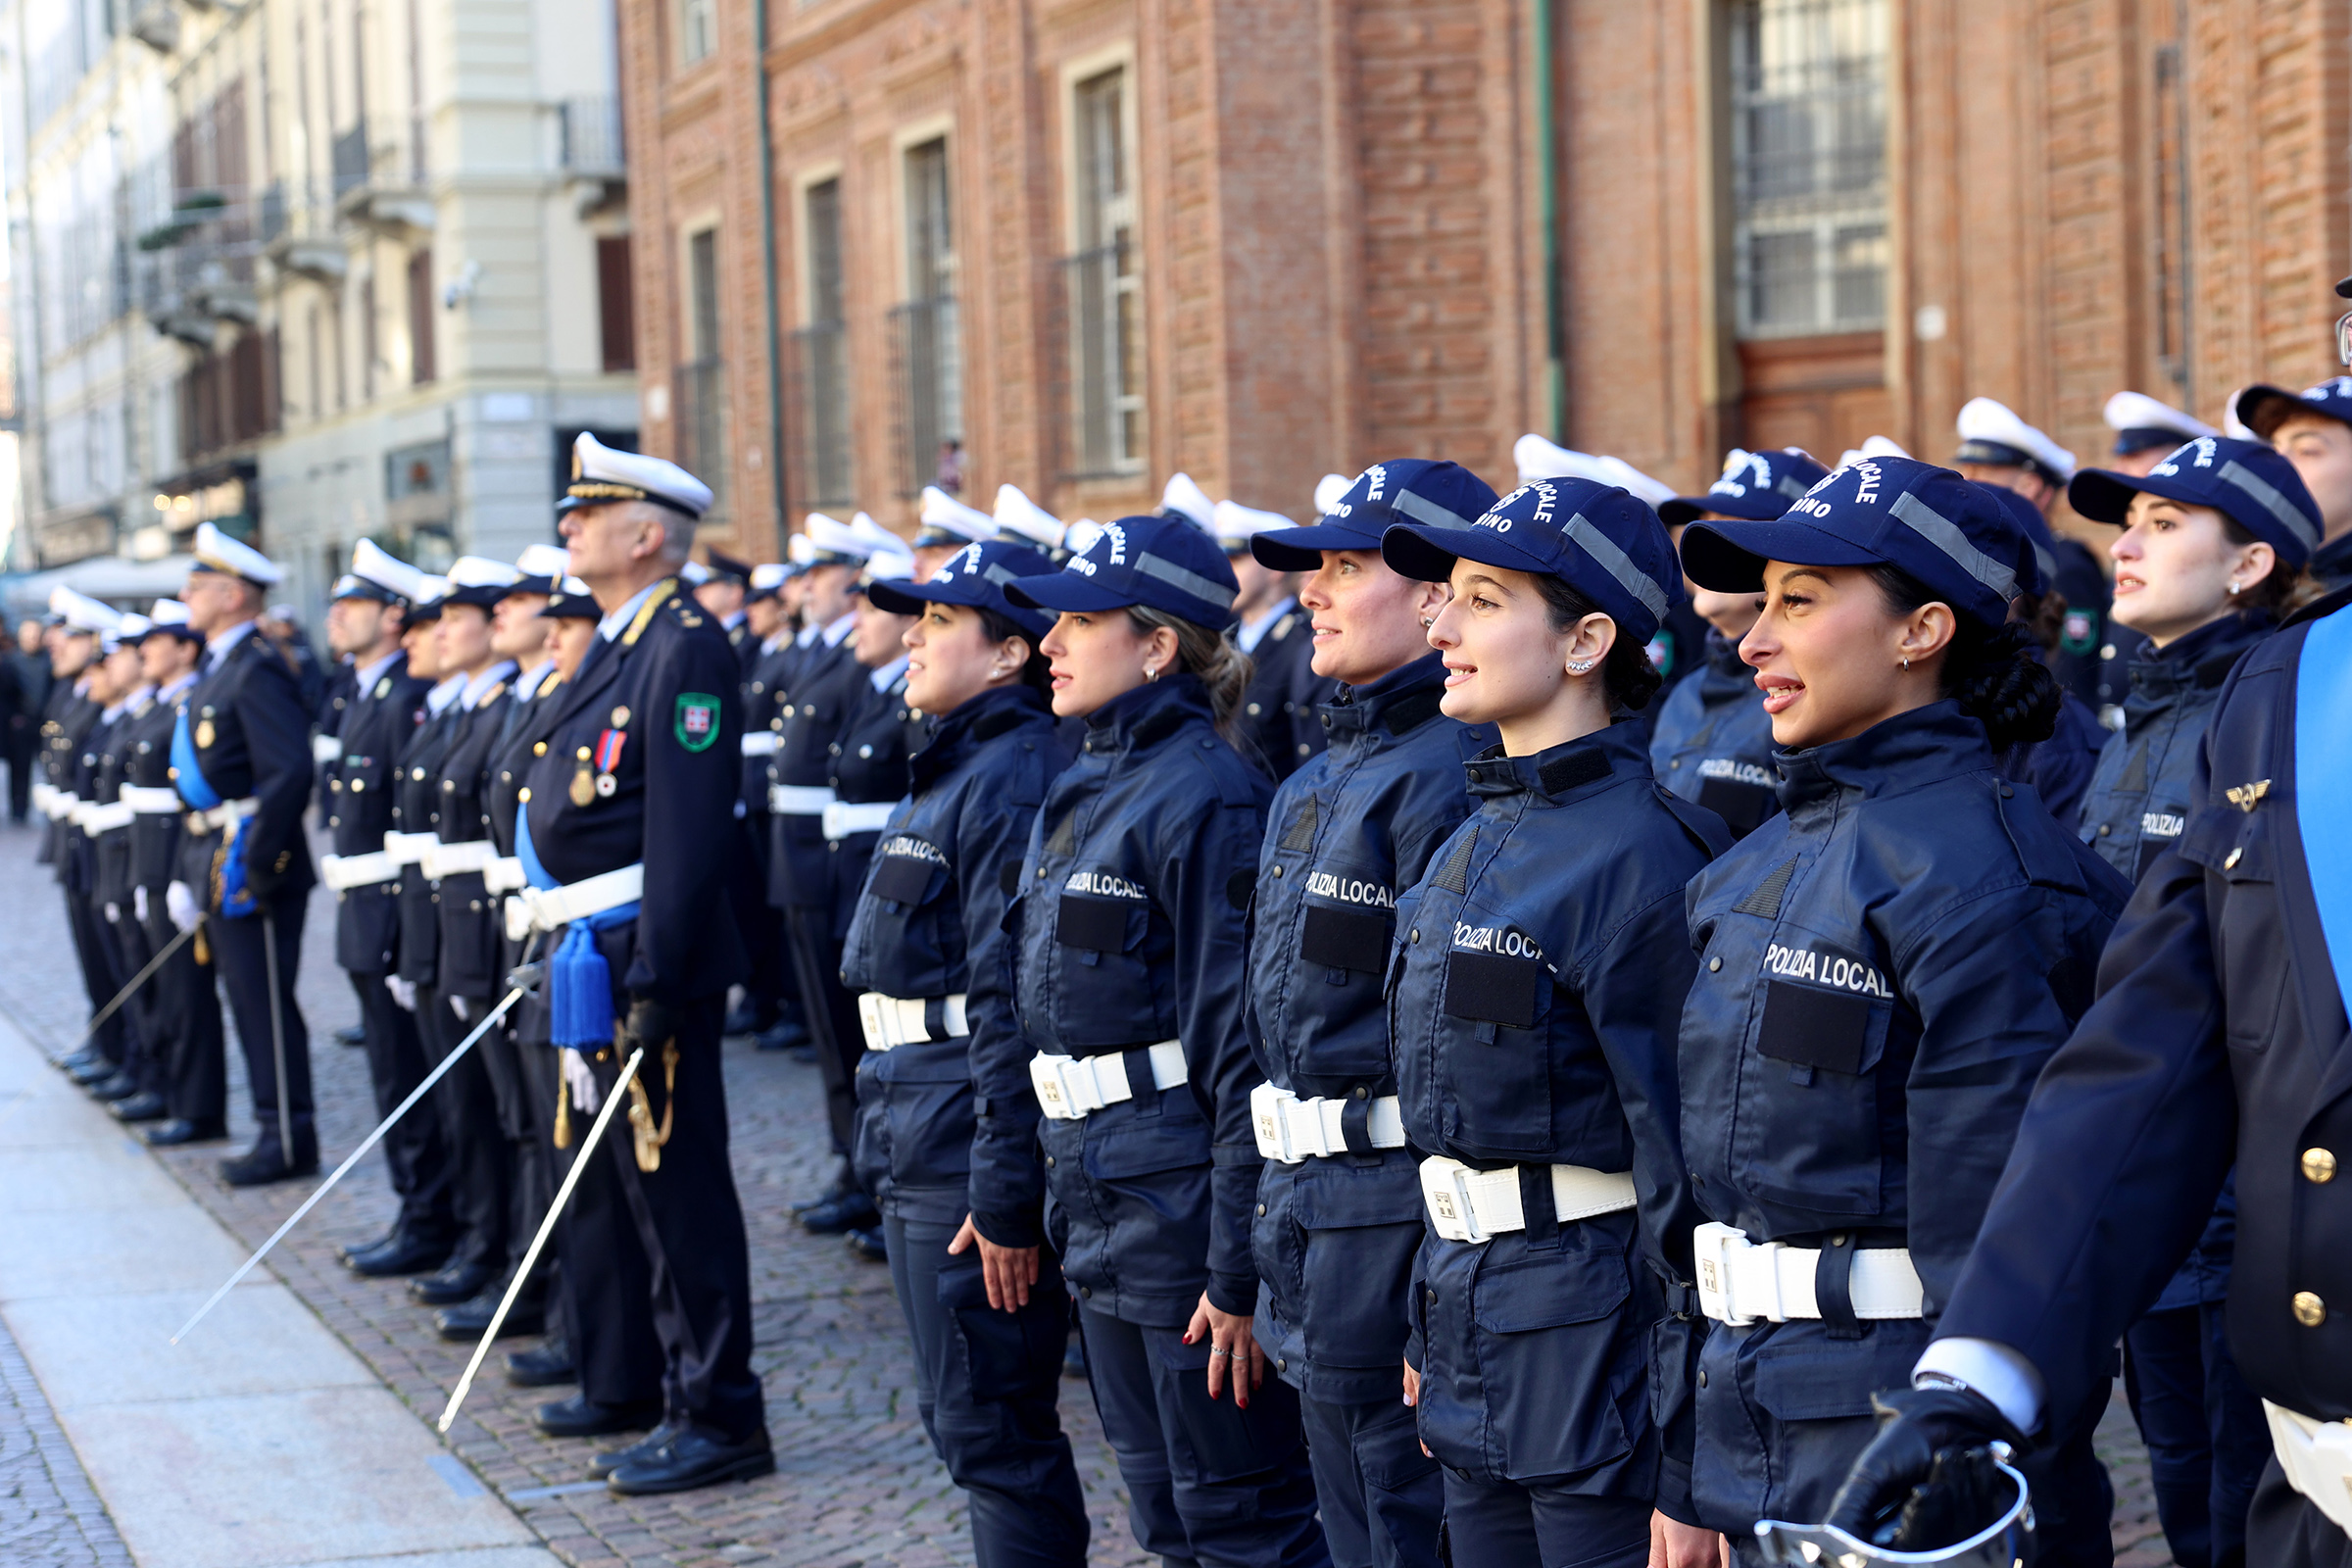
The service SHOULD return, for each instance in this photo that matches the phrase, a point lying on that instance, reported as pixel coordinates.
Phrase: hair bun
(1999, 679)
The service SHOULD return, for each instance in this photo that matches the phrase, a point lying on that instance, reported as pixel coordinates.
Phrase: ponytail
(1995, 673)
(1219, 664)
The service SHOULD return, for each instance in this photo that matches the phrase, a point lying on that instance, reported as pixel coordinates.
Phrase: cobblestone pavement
(48, 1514)
(857, 1484)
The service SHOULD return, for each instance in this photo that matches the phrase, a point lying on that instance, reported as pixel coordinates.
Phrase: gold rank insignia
(204, 733)
(2245, 796)
(583, 781)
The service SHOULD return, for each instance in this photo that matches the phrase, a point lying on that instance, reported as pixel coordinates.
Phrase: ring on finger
(1218, 1349)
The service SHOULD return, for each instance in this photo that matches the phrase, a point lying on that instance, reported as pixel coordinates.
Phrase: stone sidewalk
(856, 1482)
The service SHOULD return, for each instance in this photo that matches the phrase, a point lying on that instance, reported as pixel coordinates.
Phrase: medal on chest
(204, 730)
(583, 781)
(607, 759)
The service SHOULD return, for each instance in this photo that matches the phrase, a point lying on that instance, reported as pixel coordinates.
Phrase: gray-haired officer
(241, 755)
(2145, 430)
(2314, 428)
(626, 834)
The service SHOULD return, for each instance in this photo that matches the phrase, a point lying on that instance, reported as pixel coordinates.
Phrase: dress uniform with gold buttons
(66, 724)
(101, 855)
(770, 1006)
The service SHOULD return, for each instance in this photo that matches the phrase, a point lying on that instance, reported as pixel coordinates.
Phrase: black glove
(652, 1025)
(1892, 1496)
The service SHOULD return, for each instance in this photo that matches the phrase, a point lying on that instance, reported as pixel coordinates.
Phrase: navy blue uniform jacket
(260, 734)
(376, 726)
(1712, 741)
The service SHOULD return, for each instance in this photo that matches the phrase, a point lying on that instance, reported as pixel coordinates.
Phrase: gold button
(583, 754)
(2229, 863)
(2319, 1165)
(524, 795)
(2310, 1310)
(539, 748)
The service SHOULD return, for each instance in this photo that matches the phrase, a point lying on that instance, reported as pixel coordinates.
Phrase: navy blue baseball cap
(1163, 563)
(1955, 539)
(1602, 540)
(976, 576)
(1407, 490)
(2264, 409)
(1755, 485)
(2028, 516)
(2250, 483)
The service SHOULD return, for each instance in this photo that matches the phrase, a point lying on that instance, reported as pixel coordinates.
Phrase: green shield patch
(696, 722)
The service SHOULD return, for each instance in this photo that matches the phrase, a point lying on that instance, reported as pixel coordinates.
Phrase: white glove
(114, 913)
(138, 903)
(457, 1004)
(581, 1082)
(180, 904)
(403, 992)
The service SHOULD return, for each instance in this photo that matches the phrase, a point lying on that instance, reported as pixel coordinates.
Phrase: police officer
(1339, 1212)
(2218, 1034)
(97, 831)
(1712, 742)
(186, 1006)
(944, 527)
(947, 1118)
(601, 1321)
(1023, 521)
(241, 746)
(2314, 429)
(1999, 447)
(1885, 968)
(2204, 569)
(1533, 1002)
(770, 1009)
(65, 727)
(2146, 430)
(1273, 632)
(722, 585)
(107, 822)
(1127, 954)
(641, 773)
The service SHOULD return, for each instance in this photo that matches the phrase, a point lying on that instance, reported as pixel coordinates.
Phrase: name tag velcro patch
(1814, 1028)
(1491, 988)
(901, 878)
(1100, 924)
(1345, 939)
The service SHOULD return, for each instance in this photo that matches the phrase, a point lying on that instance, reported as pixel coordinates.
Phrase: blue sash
(236, 898)
(579, 982)
(2323, 781)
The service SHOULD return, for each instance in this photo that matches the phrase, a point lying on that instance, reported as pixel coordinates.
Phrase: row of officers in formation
(1530, 1029)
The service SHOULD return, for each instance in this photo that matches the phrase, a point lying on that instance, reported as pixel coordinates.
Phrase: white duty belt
(326, 749)
(551, 909)
(798, 800)
(343, 872)
(228, 813)
(1472, 1205)
(42, 789)
(1073, 1088)
(1740, 1281)
(1293, 1130)
(97, 818)
(761, 742)
(60, 804)
(2317, 1459)
(453, 860)
(845, 820)
(505, 875)
(894, 1021)
(407, 849)
(150, 801)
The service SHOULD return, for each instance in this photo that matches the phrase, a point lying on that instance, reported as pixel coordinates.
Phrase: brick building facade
(1098, 241)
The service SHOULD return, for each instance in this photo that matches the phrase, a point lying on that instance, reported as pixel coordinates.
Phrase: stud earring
(1906, 662)
(1578, 667)
(1151, 672)
(2234, 590)
(1428, 621)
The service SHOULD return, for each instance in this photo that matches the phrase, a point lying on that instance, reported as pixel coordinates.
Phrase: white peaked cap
(1873, 446)
(831, 536)
(2232, 425)
(1539, 459)
(543, 561)
(2136, 411)
(480, 571)
(942, 510)
(1235, 522)
(166, 612)
(1623, 473)
(1330, 491)
(220, 553)
(1983, 420)
(1184, 496)
(370, 561)
(600, 473)
(1019, 515)
(695, 574)
(891, 565)
(1080, 535)
(430, 587)
(876, 537)
(573, 587)
(800, 550)
(82, 613)
(130, 626)
(767, 575)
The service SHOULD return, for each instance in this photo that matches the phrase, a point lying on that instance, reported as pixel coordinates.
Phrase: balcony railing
(593, 144)
(351, 159)
(701, 398)
(926, 351)
(820, 377)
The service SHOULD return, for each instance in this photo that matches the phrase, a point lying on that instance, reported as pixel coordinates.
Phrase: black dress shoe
(867, 1242)
(690, 1461)
(120, 1086)
(785, 1033)
(181, 1130)
(265, 1163)
(145, 1106)
(458, 1282)
(397, 1253)
(86, 1057)
(853, 1211)
(94, 1070)
(351, 1035)
(582, 1417)
(549, 1366)
(603, 1463)
(470, 1319)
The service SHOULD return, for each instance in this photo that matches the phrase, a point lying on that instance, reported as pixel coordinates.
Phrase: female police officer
(2204, 567)
(1886, 966)
(1712, 742)
(1533, 1002)
(1127, 954)
(947, 1122)
(1339, 1205)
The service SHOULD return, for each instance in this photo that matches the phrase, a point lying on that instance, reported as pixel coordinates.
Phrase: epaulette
(660, 594)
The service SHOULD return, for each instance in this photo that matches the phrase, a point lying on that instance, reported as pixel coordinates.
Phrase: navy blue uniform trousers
(1382, 1499)
(2206, 1435)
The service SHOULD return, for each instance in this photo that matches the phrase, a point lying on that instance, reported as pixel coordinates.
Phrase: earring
(1578, 667)
(2234, 590)
(1151, 672)
(1906, 662)
(1428, 621)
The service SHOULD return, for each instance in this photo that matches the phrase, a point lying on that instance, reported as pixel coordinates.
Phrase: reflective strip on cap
(1191, 582)
(1945, 535)
(1423, 510)
(1790, 485)
(1617, 563)
(2278, 506)
(1000, 574)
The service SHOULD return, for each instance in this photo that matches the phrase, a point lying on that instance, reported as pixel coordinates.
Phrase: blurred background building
(325, 269)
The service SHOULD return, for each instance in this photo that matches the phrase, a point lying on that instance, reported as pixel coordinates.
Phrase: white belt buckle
(1267, 1110)
(1057, 1093)
(519, 917)
(869, 1016)
(1712, 1246)
(1082, 1083)
(1472, 1231)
